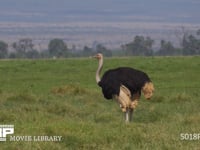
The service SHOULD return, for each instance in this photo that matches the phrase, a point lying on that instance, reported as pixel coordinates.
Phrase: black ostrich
(125, 85)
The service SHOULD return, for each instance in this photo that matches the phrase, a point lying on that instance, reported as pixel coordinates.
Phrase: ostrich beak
(98, 56)
(95, 56)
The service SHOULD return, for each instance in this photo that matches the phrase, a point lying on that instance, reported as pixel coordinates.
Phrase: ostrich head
(148, 90)
(98, 56)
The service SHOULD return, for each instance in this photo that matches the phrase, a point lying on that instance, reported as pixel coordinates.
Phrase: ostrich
(125, 85)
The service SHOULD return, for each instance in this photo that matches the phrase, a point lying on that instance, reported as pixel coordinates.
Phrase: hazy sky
(164, 10)
(110, 22)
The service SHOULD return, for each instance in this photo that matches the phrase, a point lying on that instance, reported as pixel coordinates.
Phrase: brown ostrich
(125, 85)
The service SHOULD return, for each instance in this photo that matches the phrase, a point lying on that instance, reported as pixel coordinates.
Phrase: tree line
(140, 46)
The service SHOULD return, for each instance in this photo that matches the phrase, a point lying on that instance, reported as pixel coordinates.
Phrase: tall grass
(60, 97)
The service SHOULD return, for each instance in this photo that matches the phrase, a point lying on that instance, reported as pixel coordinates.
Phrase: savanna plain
(60, 97)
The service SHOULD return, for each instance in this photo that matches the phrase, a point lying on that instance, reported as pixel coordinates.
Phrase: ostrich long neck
(99, 70)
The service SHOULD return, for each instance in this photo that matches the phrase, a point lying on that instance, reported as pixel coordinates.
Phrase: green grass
(60, 97)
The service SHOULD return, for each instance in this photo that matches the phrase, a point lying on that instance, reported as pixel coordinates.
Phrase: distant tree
(198, 32)
(139, 46)
(87, 51)
(191, 44)
(166, 48)
(73, 49)
(33, 54)
(12, 55)
(180, 34)
(23, 46)
(102, 49)
(3, 49)
(44, 54)
(58, 48)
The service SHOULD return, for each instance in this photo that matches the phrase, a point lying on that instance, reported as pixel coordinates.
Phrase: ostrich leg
(131, 114)
(125, 101)
(127, 115)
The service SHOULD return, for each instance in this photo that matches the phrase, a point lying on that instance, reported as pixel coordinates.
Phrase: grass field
(60, 97)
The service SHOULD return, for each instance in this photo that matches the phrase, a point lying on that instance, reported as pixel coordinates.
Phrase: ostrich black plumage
(125, 85)
(129, 77)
